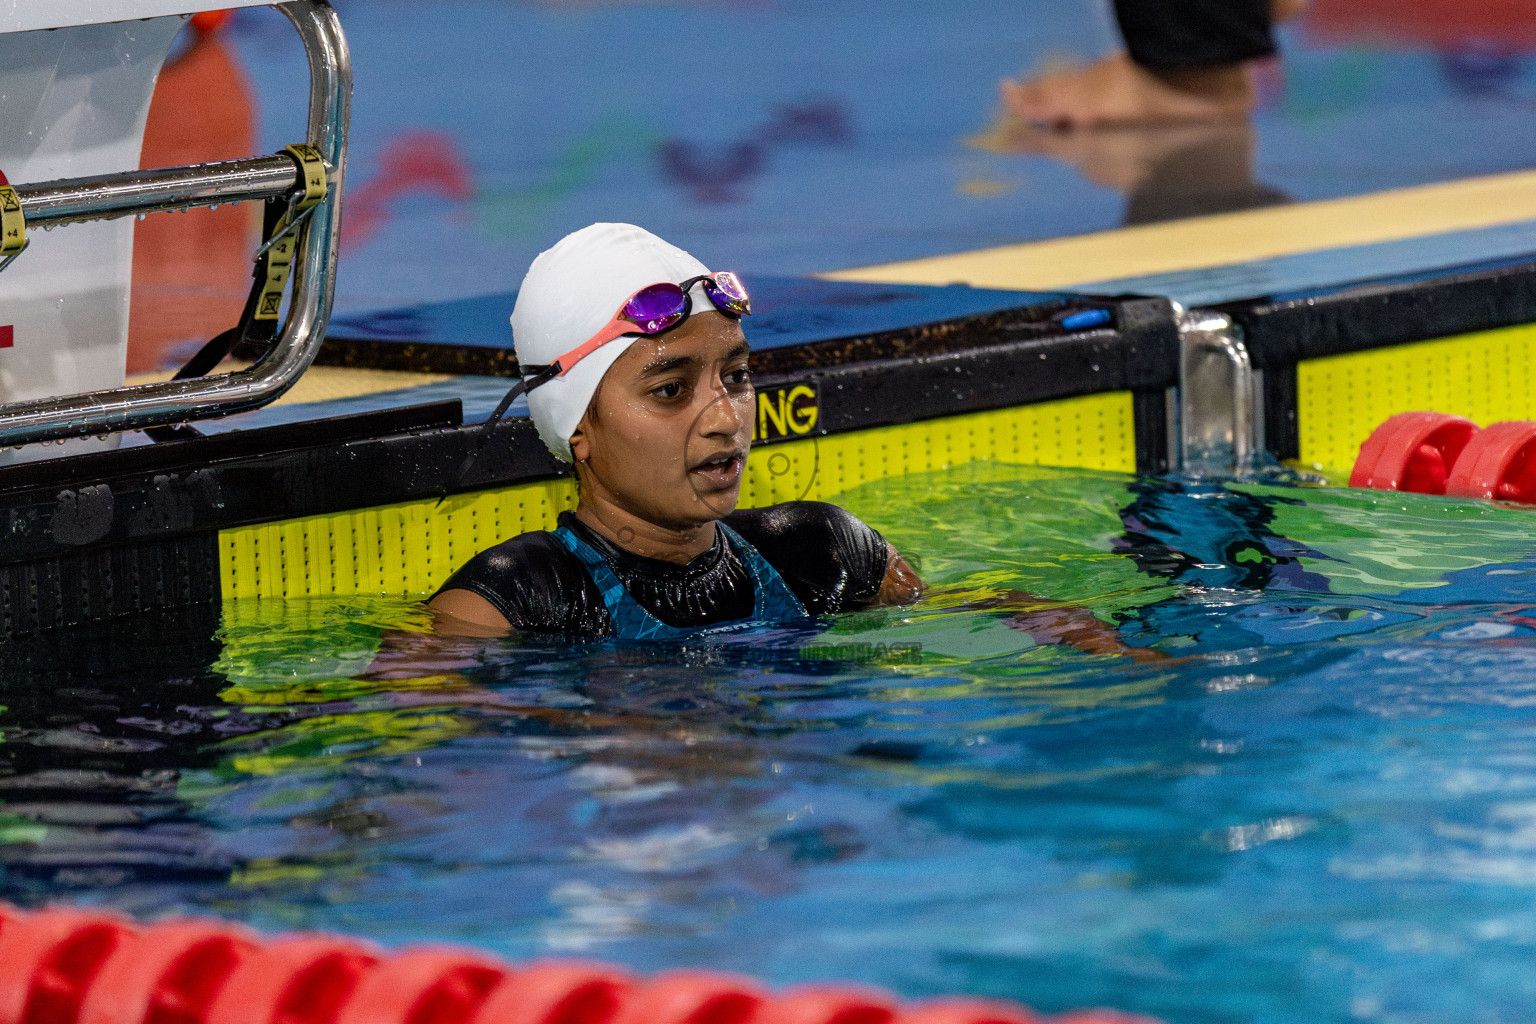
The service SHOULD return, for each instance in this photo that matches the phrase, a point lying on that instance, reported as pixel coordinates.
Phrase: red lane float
(558, 993)
(425, 986)
(830, 1005)
(169, 975)
(303, 980)
(1412, 451)
(970, 1011)
(1435, 453)
(1500, 462)
(693, 997)
(50, 962)
(78, 967)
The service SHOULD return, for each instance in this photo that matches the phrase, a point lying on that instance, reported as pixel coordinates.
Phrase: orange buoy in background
(209, 22)
(192, 270)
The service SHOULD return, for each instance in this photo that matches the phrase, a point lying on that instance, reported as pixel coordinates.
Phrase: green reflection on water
(1047, 537)
(987, 527)
(1383, 543)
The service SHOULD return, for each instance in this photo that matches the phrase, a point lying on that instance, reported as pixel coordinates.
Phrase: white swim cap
(571, 292)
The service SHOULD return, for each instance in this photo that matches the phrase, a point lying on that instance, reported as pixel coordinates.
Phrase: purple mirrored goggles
(651, 310)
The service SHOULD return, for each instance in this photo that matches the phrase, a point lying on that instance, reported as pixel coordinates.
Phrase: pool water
(1301, 787)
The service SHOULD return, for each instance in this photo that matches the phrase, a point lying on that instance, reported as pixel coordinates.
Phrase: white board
(72, 103)
(27, 15)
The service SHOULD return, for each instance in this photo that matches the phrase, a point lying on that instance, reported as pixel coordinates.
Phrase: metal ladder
(134, 193)
(1217, 421)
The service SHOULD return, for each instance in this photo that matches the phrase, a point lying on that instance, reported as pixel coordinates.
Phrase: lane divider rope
(1437, 453)
(69, 966)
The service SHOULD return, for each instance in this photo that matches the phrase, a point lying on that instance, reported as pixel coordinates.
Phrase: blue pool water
(1305, 791)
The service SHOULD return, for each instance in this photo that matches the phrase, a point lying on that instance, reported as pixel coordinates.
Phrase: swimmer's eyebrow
(662, 364)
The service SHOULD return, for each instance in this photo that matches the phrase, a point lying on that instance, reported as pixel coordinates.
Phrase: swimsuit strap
(772, 600)
(630, 619)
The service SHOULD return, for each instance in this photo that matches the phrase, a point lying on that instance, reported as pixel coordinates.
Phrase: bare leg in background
(1185, 61)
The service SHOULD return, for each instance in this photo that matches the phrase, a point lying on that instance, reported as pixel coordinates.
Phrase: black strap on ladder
(254, 334)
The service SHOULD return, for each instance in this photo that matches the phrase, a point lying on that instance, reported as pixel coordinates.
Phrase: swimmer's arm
(901, 584)
(466, 613)
(1050, 622)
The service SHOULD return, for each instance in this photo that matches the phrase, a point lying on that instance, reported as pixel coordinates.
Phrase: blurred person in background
(1184, 61)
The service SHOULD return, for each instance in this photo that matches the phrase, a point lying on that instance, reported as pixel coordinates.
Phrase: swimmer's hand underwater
(658, 422)
(1050, 623)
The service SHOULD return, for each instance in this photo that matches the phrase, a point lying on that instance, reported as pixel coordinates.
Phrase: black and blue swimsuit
(768, 565)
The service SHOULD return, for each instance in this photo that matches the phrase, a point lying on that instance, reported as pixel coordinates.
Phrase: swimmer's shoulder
(831, 558)
(537, 586)
(797, 522)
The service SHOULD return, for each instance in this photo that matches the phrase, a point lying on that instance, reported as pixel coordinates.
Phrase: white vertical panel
(73, 102)
(26, 15)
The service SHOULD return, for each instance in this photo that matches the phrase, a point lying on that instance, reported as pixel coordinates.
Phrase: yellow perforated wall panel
(1485, 377)
(1095, 432)
(410, 548)
(394, 549)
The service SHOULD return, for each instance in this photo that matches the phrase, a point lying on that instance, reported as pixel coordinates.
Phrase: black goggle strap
(532, 377)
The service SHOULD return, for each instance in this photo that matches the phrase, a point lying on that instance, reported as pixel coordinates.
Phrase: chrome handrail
(314, 273)
(1218, 426)
(105, 196)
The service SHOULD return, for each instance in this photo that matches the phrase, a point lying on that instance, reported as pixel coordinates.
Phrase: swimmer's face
(667, 433)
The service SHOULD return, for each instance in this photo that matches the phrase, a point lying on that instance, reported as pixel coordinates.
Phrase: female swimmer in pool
(654, 405)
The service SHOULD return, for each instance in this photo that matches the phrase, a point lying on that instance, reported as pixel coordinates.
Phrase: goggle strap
(617, 328)
(529, 381)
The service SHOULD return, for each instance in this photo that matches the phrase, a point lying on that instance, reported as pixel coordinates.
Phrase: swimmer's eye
(668, 391)
(738, 379)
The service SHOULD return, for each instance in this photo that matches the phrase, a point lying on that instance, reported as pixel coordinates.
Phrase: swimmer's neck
(638, 536)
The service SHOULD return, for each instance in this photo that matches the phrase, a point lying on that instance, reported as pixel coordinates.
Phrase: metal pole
(1217, 432)
(314, 279)
(169, 188)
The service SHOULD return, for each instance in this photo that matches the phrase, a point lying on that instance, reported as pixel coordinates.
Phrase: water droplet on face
(140, 217)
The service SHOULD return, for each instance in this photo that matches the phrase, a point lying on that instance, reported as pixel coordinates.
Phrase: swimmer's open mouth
(722, 469)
